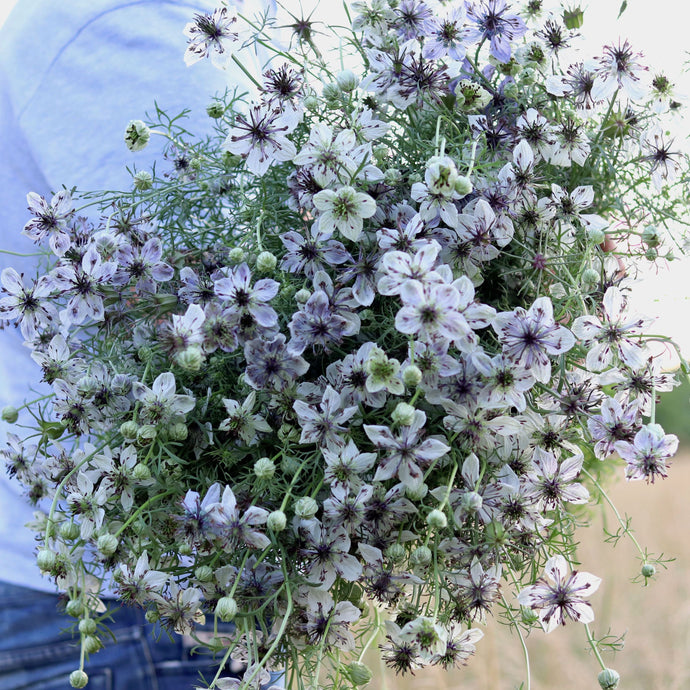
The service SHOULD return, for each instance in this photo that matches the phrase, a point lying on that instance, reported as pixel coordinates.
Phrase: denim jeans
(35, 655)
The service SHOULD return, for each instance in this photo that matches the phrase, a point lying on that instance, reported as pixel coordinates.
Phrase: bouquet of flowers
(347, 373)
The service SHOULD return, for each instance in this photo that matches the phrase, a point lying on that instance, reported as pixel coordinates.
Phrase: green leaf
(624, 6)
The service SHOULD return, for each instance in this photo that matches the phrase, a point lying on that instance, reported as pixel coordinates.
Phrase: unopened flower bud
(10, 414)
(346, 80)
(146, 433)
(78, 679)
(359, 673)
(301, 296)
(412, 375)
(528, 616)
(403, 414)
(471, 501)
(421, 556)
(236, 255)
(311, 102)
(74, 608)
(276, 521)
(437, 519)
(648, 570)
(650, 236)
(266, 262)
(608, 679)
(651, 254)
(178, 431)
(306, 507)
(215, 109)
(145, 354)
(204, 573)
(191, 358)
(129, 429)
(596, 235)
(226, 609)
(107, 544)
(590, 276)
(46, 560)
(141, 472)
(396, 552)
(142, 180)
(331, 93)
(264, 468)
(87, 626)
(137, 135)
(392, 176)
(91, 644)
(152, 616)
(69, 530)
(416, 493)
(463, 185)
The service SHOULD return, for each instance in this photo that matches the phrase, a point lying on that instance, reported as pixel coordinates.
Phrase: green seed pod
(264, 468)
(403, 414)
(129, 429)
(347, 80)
(266, 262)
(595, 235)
(306, 507)
(46, 560)
(396, 553)
(421, 556)
(78, 679)
(437, 519)
(236, 255)
(141, 472)
(137, 136)
(74, 608)
(215, 109)
(573, 17)
(69, 530)
(648, 570)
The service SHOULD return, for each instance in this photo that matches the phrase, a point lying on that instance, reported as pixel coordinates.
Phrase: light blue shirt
(72, 75)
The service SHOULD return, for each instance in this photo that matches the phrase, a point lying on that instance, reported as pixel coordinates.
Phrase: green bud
(152, 616)
(396, 553)
(191, 358)
(145, 354)
(331, 93)
(91, 644)
(421, 556)
(146, 433)
(276, 521)
(346, 80)
(651, 254)
(412, 376)
(590, 276)
(46, 560)
(651, 236)
(266, 262)
(608, 679)
(78, 679)
(226, 609)
(107, 544)
(306, 507)
(463, 185)
(142, 180)
(648, 570)
(392, 176)
(595, 235)
(495, 534)
(137, 135)
(178, 431)
(185, 549)
(311, 103)
(141, 472)
(74, 608)
(403, 414)
(528, 616)
(437, 519)
(69, 530)
(236, 255)
(301, 296)
(10, 414)
(87, 626)
(418, 493)
(129, 429)
(359, 674)
(204, 573)
(215, 109)
(264, 468)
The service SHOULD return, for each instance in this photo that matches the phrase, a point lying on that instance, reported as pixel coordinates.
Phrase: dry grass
(655, 619)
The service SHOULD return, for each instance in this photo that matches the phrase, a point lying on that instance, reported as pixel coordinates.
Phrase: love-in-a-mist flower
(160, 404)
(29, 304)
(492, 20)
(648, 455)
(344, 210)
(50, 220)
(529, 337)
(212, 34)
(618, 68)
(561, 595)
